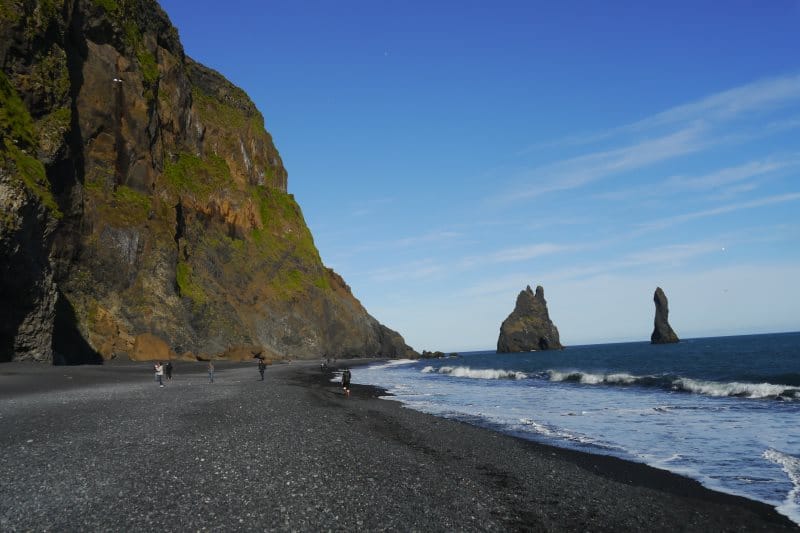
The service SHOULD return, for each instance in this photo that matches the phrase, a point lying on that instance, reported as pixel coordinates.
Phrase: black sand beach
(104, 448)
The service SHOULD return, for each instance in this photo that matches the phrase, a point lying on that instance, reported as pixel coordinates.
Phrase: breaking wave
(675, 383)
(790, 465)
(475, 373)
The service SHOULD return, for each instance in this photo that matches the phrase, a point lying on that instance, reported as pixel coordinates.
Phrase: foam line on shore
(791, 465)
(474, 373)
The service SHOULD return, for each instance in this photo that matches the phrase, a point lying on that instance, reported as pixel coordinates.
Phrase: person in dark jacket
(261, 367)
(346, 382)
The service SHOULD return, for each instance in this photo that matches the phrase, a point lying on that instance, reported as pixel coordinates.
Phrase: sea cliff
(144, 209)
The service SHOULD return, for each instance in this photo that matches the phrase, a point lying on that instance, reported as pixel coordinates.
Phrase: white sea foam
(475, 373)
(562, 434)
(790, 465)
(707, 388)
(390, 364)
(593, 379)
(745, 390)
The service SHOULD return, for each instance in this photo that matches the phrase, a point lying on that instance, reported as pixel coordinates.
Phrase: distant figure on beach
(346, 382)
(261, 367)
(211, 372)
(168, 370)
(159, 373)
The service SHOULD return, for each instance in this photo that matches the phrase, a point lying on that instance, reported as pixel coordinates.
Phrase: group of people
(166, 370)
(161, 370)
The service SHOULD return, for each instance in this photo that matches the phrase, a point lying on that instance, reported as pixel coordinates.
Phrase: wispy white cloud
(762, 95)
(517, 253)
(729, 117)
(371, 207)
(727, 176)
(671, 256)
(720, 210)
(756, 97)
(415, 270)
(579, 171)
(427, 238)
(731, 178)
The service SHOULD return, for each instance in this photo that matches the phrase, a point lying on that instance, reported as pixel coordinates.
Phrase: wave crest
(696, 386)
(475, 373)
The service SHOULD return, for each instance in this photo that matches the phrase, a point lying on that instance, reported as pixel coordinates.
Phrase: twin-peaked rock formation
(528, 327)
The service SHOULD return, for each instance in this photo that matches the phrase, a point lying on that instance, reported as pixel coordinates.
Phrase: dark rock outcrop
(662, 331)
(143, 203)
(528, 327)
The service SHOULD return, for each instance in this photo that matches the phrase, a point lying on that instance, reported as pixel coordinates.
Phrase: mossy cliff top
(144, 205)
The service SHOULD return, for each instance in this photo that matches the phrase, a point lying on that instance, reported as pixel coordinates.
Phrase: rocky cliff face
(528, 327)
(662, 331)
(143, 205)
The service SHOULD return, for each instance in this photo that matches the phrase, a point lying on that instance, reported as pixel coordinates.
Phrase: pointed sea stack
(662, 332)
(528, 327)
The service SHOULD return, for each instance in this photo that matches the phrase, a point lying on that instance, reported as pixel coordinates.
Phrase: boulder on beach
(528, 327)
(662, 331)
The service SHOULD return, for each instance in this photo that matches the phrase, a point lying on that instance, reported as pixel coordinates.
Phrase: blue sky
(447, 154)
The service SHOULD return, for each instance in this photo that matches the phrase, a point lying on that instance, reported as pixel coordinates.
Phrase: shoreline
(293, 453)
(608, 466)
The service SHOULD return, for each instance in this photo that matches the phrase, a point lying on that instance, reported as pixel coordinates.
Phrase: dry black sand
(104, 448)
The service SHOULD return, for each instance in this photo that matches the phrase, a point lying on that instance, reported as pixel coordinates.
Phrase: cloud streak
(720, 210)
(582, 170)
(756, 97)
(729, 117)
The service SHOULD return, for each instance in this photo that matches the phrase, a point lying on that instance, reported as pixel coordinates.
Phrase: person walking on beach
(168, 370)
(159, 373)
(261, 368)
(211, 372)
(346, 382)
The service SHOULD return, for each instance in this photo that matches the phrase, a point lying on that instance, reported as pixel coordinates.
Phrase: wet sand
(104, 448)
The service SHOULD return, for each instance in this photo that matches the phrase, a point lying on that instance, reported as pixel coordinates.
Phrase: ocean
(724, 411)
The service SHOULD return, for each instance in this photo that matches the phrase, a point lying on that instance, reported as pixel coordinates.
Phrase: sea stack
(662, 332)
(528, 327)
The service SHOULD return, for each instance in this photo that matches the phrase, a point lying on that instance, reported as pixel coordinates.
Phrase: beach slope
(105, 448)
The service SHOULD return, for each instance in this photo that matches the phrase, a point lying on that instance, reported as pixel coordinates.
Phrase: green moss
(135, 201)
(148, 64)
(187, 285)
(110, 6)
(51, 128)
(10, 11)
(57, 121)
(285, 238)
(190, 173)
(212, 111)
(147, 61)
(322, 283)
(121, 207)
(19, 139)
(15, 121)
(44, 13)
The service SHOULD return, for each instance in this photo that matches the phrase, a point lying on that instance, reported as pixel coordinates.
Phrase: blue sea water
(724, 411)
